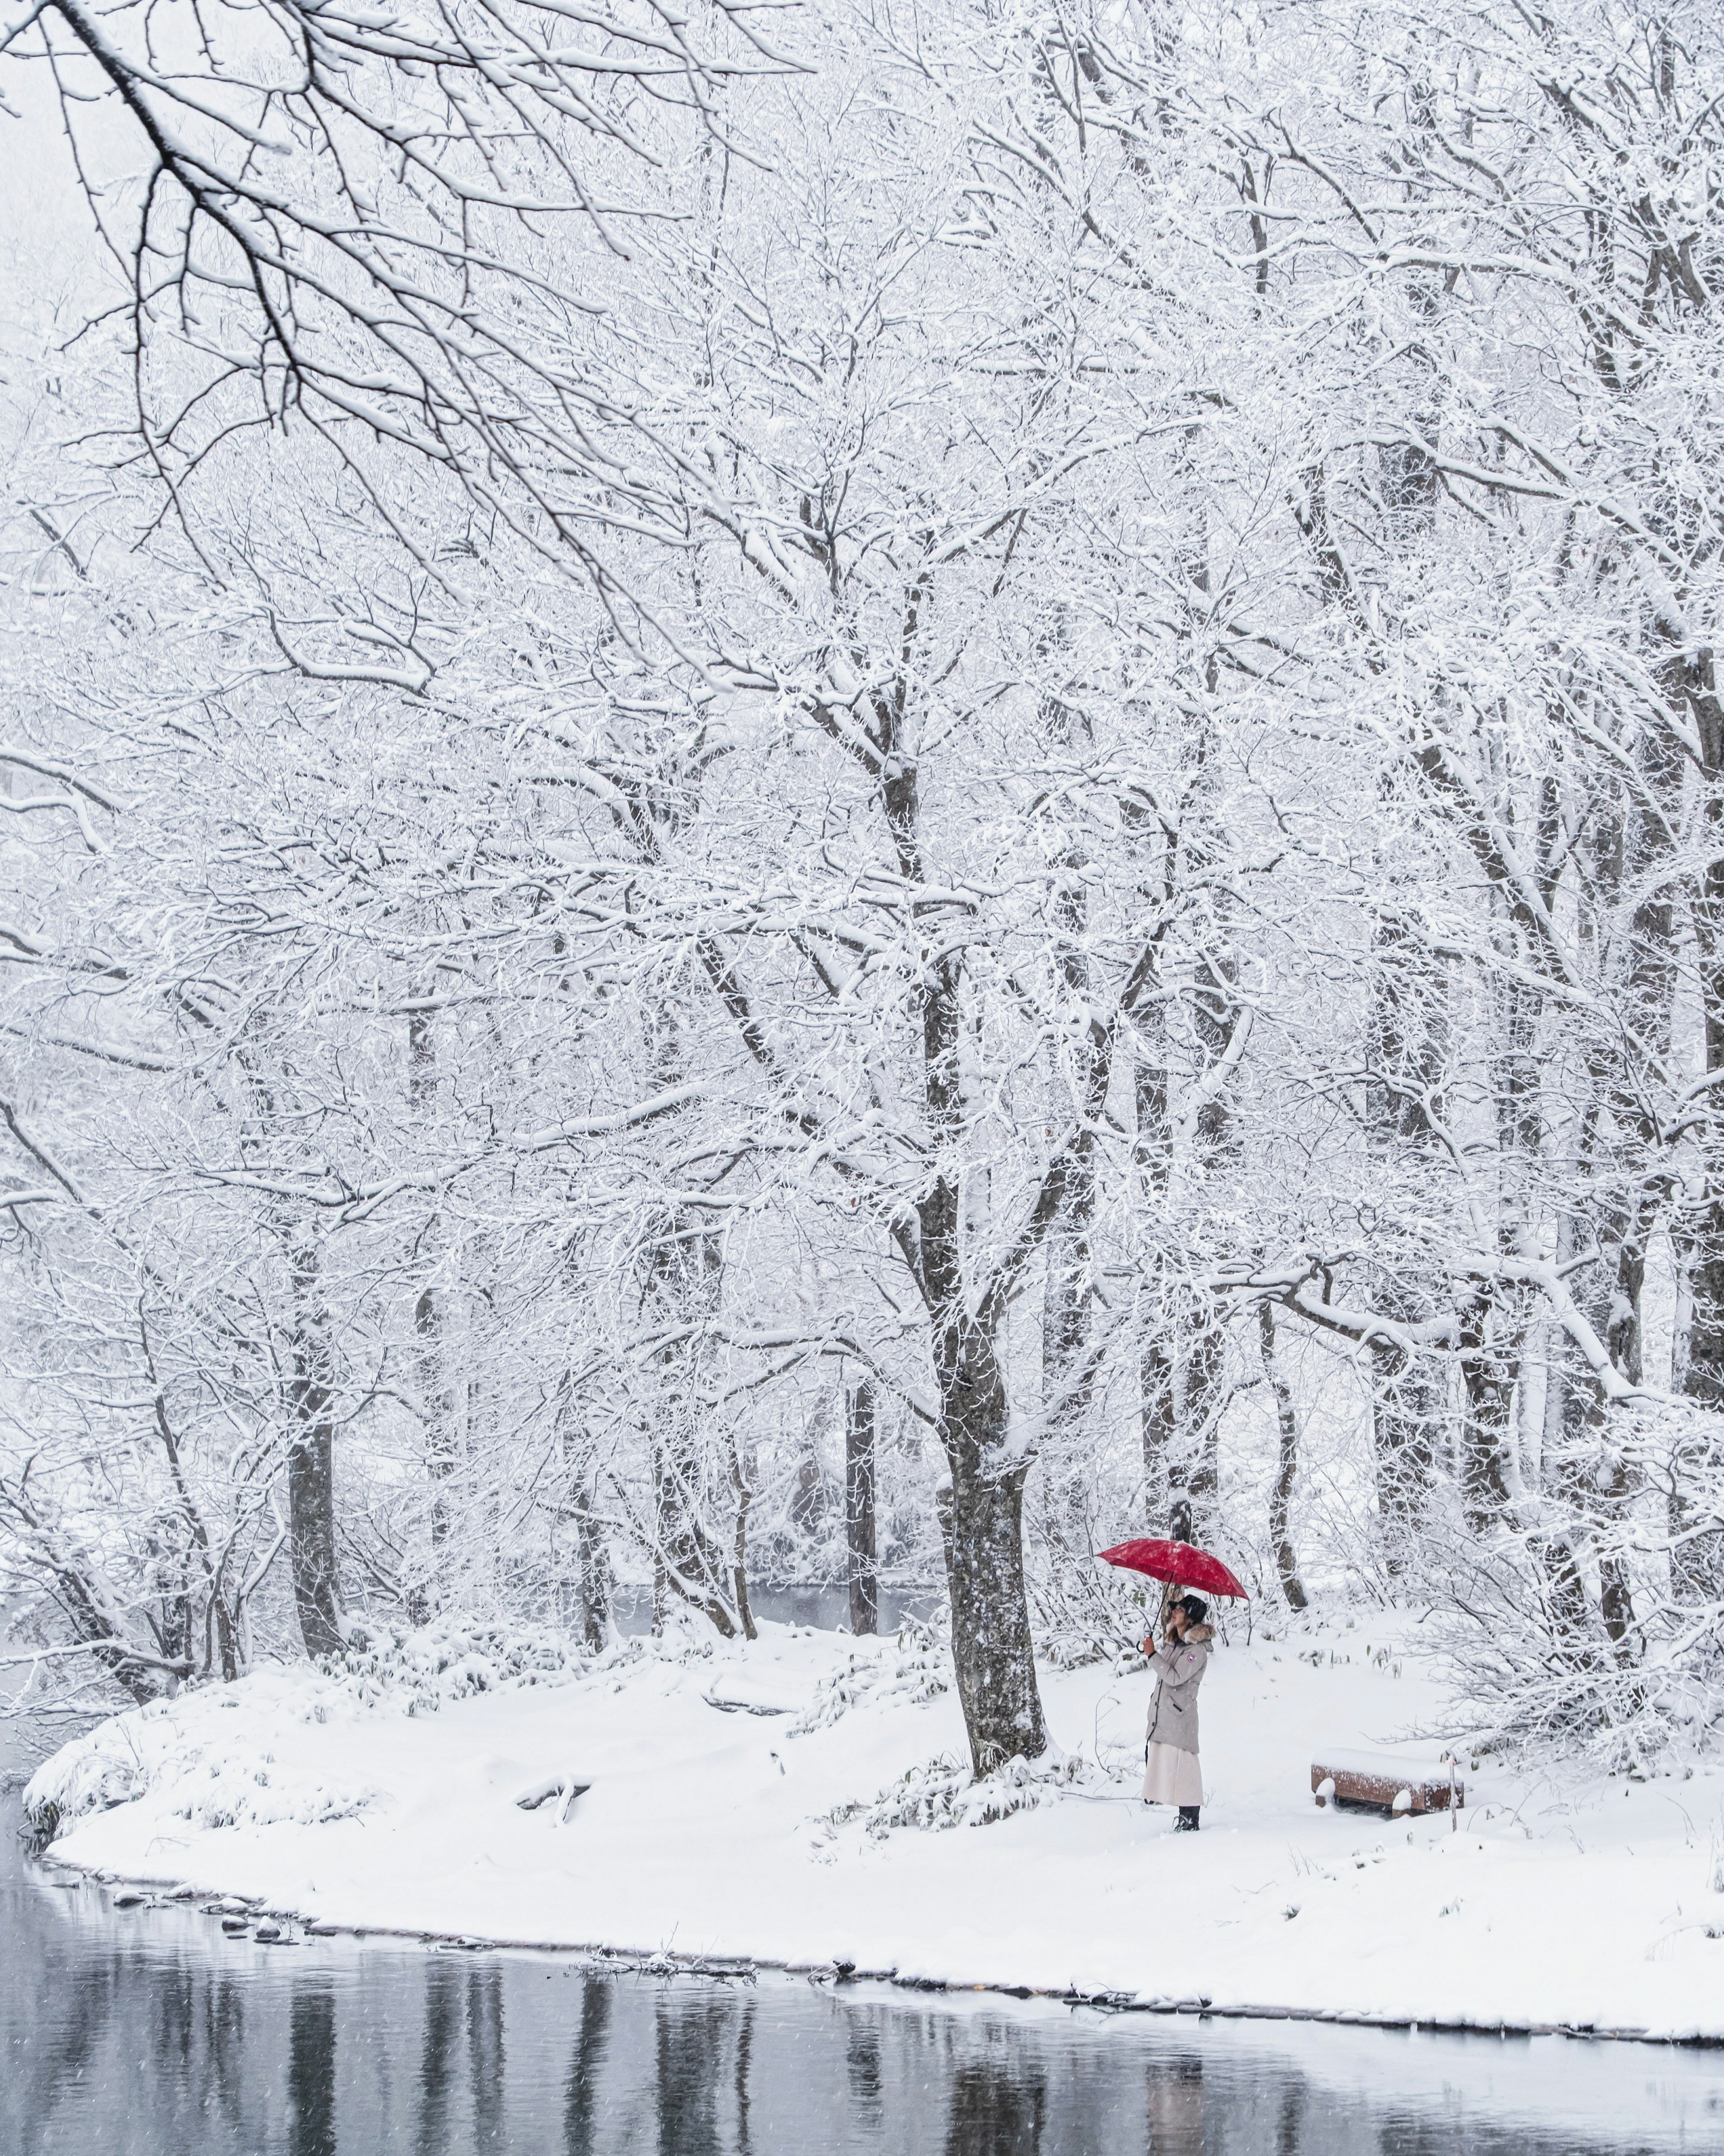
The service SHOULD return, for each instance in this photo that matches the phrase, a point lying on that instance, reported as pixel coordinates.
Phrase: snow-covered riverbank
(708, 1829)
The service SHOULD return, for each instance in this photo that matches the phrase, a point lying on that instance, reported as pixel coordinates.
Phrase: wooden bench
(1378, 1782)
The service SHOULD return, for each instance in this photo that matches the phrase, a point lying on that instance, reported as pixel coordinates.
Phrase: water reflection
(695, 2045)
(311, 2071)
(586, 2063)
(146, 2033)
(998, 2108)
(862, 2074)
(1175, 2105)
(459, 2103)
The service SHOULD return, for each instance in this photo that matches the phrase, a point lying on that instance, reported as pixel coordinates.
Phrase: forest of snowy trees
(949, 760)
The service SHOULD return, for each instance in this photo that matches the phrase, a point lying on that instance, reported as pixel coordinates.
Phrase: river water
(145, 2032)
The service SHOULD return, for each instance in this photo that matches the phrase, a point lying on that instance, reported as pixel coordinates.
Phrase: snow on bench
(1385, 1782)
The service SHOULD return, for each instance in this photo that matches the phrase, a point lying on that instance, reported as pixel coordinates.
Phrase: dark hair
(1194, 1607)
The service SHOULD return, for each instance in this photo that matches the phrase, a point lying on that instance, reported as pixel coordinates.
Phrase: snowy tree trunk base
(991, 1648)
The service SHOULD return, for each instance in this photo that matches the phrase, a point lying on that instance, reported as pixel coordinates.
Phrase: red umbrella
(1179, 1562)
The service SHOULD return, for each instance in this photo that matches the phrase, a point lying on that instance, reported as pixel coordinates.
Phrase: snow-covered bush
(914, 1666)
(1591, 1624)
(943, 1793)
(418, 1669)
(214, 1758)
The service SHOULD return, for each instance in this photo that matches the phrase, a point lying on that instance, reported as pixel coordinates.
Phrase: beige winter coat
(1179, 1671)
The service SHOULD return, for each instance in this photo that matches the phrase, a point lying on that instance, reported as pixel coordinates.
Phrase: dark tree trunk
(1216, 1016)
(859, 1419)
(742, 1488)
(1152, 1159)
(593, 1578)
(1202, 1401)
(311, 1517)
(1698, 1564)
(1155, 1369)
(1697, 1559)
(310, 1465)
(991, 1650)
(594, 1561)
(220, 1618)
(1068, 1374)
(1280, 1498)
(992, 1655)
(436, 1394)
(439, 1426)
(991, 1647)
(1490, 1366)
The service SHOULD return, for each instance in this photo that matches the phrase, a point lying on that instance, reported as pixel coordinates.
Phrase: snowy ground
(701, 1834)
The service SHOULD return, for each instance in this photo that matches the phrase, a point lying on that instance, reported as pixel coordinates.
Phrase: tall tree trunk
(1068, 1374)
(992, 1652)
(436, 1394)
(594, 1561)
(1697, 1564)
(1695, 1519)
(1202, 1401)
(593, 1577)
(311, 1461)
(1281, 1497)
(1490, 1367)
(860, 1530)
(741, 1465)
(994, 1659)
(1155, 1363)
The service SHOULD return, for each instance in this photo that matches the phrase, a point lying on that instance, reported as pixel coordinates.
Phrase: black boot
(1186, 1822)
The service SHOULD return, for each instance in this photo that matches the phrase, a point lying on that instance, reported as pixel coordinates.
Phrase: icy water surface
(143, 2032)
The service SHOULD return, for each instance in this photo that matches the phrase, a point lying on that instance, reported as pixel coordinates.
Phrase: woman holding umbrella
(1173, 1774)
